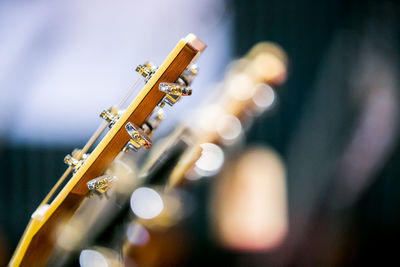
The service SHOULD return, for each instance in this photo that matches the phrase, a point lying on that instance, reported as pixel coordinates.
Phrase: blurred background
(335, 129)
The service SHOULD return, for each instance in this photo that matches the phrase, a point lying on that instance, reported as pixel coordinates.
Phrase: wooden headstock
(39, 238)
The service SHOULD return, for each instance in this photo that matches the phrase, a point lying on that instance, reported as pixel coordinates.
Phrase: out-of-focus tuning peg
(189, 74)
(138, 138)
(146, 70)
(99, 257)
(264, 98)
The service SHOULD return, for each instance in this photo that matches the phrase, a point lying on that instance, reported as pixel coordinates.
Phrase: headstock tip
(195, 42)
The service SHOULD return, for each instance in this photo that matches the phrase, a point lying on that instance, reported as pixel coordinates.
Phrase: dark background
(317, 117)
(326, 43)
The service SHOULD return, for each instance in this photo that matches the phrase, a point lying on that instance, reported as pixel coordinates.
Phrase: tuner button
(169, 99)
(138, 138)
(175, 89)
(173, 92)
(100, 184)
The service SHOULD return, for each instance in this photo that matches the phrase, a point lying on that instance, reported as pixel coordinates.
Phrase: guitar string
(90, 143)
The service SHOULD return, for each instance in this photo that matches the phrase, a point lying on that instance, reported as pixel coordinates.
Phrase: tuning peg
(75, 159)
(146, 70)
(111, 115)
(70, 160)
(73, 162)
(138, 138)
(153, 121)
(189, 74)
(173, 91)
(101, 184)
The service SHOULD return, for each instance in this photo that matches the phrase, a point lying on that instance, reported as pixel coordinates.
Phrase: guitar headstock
(128, 129)
(133, 128)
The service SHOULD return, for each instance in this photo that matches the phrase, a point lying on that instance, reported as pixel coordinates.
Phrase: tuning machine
(100, 185)
(153, 121)
(189, 74)
(174, 91)
(111, 115)
(75, 160)
(146, 70)
(138, 138)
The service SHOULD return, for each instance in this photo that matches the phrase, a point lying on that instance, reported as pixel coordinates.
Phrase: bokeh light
(146, 203)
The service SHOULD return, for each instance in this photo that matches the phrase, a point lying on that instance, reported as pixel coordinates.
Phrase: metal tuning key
(174, 91)
(189, 74)
(138, 138)
(111, 115)
(153, 121)
(146, 70)
(100, 185)
(74, 161)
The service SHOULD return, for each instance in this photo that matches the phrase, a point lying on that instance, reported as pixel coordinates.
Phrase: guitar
(130, 129)
(191, 151)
